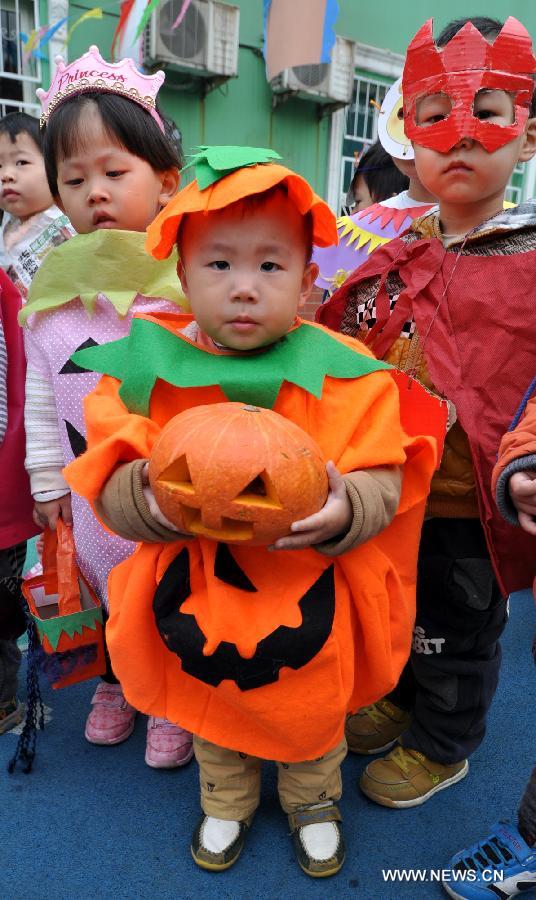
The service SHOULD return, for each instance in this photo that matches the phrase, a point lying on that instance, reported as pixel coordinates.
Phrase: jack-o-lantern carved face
(236, 473)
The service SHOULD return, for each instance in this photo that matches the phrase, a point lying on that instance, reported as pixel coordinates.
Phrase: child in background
(393, 205)
(376, 178)
(111, 168)
(251, 675)
(32, 224)
(508, 849)
(451, 302)
(16, 522)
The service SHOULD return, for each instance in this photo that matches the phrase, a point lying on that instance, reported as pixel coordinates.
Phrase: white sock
(320, 841)
(218, 834)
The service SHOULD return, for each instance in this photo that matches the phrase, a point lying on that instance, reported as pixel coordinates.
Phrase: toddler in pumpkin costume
(259, 651)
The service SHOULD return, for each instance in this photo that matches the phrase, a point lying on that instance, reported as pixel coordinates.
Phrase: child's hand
(522, 487)
(334, 518)
(47, 514)
(154, 508)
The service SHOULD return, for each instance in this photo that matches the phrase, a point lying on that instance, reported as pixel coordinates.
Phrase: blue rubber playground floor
(92, 823)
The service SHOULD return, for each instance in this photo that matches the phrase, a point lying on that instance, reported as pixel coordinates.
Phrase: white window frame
(375, 92)
(515, 193)
(28, 74)
(373, 61)
(529, 181)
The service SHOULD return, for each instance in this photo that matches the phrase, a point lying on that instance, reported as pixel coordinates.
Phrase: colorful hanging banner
(95, 13)
(180, 17)
(126, 41)
(298, 33)
(151, 6)
(38, 38)
(29, 43)
(124, 16)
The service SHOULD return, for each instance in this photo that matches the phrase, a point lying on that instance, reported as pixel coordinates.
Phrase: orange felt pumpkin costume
(360, 613)
(256, 650)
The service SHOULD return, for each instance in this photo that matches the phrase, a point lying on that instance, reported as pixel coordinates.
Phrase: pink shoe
(112, 719)
(168, 746)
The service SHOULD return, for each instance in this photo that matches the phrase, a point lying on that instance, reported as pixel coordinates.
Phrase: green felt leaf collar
(303, 357)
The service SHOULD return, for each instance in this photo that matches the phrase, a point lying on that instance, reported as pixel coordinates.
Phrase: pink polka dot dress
(51, 339)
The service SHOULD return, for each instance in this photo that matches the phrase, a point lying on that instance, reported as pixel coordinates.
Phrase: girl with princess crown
(111, 167)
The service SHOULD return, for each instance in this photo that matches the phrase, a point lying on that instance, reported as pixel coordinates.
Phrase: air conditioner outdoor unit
(331, 82)
(205, 44)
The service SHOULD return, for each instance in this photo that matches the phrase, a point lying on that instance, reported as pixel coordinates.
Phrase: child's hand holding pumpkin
(154, 508)
(332, 520)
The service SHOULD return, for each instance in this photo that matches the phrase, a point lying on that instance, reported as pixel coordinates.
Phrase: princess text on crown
(92, 73)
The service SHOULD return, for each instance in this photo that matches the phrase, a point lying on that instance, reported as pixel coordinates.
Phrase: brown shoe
(214, 860)
(319, 855)
(408, 778)
(375, 728)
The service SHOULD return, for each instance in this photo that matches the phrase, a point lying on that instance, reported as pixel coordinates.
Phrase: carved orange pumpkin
(236, 473)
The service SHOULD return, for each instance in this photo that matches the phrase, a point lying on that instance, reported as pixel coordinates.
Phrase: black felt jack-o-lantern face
(291, 647)
(77, 440)
(236, 473)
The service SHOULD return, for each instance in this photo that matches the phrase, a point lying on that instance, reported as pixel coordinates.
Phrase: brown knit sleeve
(124, 510)
(374, 495)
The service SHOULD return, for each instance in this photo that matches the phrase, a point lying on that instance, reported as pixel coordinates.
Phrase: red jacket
(16, 503)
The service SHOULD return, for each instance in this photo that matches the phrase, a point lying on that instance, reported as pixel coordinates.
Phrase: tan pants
(231, 781)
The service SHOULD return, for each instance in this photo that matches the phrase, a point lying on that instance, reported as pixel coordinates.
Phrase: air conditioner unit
(205, 44)
(331, 82)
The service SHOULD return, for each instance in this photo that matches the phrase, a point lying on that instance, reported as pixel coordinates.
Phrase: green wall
(392, 23)
(240, 111)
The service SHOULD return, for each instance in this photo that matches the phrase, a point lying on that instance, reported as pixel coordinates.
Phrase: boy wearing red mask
(448, 302)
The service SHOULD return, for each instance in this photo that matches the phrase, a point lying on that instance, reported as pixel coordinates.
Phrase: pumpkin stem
(251, 408)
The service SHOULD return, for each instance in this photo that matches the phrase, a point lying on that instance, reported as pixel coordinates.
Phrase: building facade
(315, 138)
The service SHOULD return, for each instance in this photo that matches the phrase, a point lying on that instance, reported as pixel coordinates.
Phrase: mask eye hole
(494, 106)
(432, 109)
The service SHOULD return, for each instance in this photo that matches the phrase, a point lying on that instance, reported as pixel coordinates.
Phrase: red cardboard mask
(459, 70)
